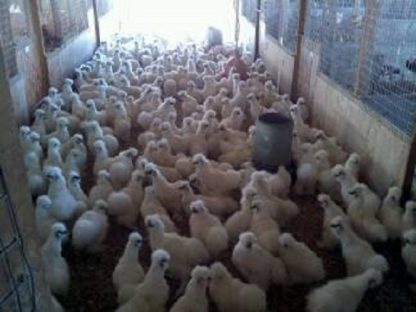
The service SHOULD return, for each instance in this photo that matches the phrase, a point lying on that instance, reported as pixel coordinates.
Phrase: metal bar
(96, 22)
(257, 34)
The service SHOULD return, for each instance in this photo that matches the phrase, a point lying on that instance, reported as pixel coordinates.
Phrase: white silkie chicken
(93, 114)
(326, 181)
(121, 168)
(189, 103)
(43, 217)
(331, 210)
(144, 119)
(90, 230)
(221, 206)
(122, 123)
(61, 132)
(409, 252)
(307, 173)
(352, 165)
(56, 267)
(72, 162)
(128, 271)
(391, 213)
(302, 264)
(264, 227)
(362, 211)
(151, 295)
(235, 120)
(74, 186)
(76, 142)
(38, 125)
(102, 189)
(195, 297)
(215, 181)
(240, 221)
(177, 143)
(32, 144)
(232, 295)
(186, 252)
(94, 132)
(102, 159)
(346, 180)
(409, 217)
(151, 205)
(336, 154)
(208, 229)
(34, 175)
(256, 264)
(124, 204)
(64, 205)
(343, 294)
(166, 192)
(358, 254)
(54, 158)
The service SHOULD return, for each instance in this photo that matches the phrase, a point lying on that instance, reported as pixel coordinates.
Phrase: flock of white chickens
(191, 161)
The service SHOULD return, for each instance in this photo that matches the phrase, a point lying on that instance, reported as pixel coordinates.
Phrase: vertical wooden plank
(96, 22)
(257, 34)
(303, 5)
(11, 160)
(39, 44)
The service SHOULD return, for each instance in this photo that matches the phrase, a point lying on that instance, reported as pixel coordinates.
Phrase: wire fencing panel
(314, 20)
(281, 18)
(6, 40)
(17, 291)
(104, 7)
(388, 71)
(340, 40)
(249, 9)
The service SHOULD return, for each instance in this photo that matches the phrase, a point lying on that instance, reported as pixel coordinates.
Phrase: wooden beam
(39, 44)
(257, 34)
(96, 22)
(303, 8)
(19, 199)
(410, 170)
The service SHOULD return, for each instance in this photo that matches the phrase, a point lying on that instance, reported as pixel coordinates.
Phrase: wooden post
(367, 39)
(257, 34)
(96, 22)
(18, 194)
(39, 44)
(298, 49)
(410, 169)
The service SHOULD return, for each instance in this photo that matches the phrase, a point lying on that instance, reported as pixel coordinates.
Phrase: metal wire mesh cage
(313, 21)
(387, 75)
(248, 9)
(17, 290)
(6, 40)
(281, 18)
(340, 39)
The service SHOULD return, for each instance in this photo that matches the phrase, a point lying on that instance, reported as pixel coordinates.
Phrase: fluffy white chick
(122, 167)
(302, 264)
(232, 295)
(166, 192)
(208, 229)
(358, 254)
(346, 180)
(124, 204)
(306, 178)
(256, 264)
(264, 227)
(56, 267)
(151, 205)
(34, 176)
(102, 158)
(235, 120)
(151, 295)
(43, 217)
(195, 297)
(186, 252)
(240, 221)
(362, 212)
(128, 270)
(326, 181)
(352, 165)
(215, 181)
(391, 213)
(409, 251)
(54, 158)
(64, 204)
(331, 210)
(221, 206)
(102, 189)
(343, 294)
(409, 217)
(189, 103)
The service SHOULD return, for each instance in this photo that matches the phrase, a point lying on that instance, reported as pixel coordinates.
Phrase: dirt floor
(92, 289)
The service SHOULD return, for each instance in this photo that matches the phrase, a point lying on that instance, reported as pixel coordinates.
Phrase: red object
(240, 66)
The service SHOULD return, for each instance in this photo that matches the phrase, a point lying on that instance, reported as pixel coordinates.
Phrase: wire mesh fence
(104, 7)
(387, 78)
(340, 40)
(281, 18)
(17, 290)
(249, 10)
(6, 40)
